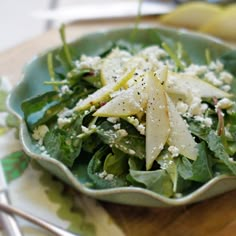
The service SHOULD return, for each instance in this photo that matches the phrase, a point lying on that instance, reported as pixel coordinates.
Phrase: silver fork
(55, 230)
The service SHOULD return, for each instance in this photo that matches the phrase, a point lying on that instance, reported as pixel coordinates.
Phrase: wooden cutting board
(215, 216)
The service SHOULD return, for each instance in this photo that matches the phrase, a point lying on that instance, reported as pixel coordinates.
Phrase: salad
(138, 115)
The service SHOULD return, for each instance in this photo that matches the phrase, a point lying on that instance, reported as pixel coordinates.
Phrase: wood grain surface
(216, 216)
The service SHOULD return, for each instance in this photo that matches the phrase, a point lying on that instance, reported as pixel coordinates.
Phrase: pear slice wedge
(183, 84)
(180, 136)
(157, 120)
(103, 94)
(162, 74)
(126, 103)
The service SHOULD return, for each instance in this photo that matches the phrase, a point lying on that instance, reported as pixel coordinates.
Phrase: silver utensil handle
(9, 222)
(55, 230)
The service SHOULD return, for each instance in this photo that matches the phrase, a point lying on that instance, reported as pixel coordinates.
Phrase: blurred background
(18, 21)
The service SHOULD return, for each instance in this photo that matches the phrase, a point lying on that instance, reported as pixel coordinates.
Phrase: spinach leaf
(40, 109)
(132, 143)
(101, 178)
(167, 163)
(156, 180)
(221, 169)
(202, 168)
(232, 147)
(91, 143)
(215, 145)
(60, 146)
(136, 163)
(91, 76)
(232, 130)
(184, 167)
(116, 163)
(63, 144)
(198, 130)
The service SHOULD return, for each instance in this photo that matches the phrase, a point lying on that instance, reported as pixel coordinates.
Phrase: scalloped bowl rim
(192, 197)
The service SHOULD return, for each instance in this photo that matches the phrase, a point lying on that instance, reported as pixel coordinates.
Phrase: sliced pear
(180, 136)
(191, 15)
(113, 66)
(180, 83)
(162, 74)
(128, 102)
(157, 120)
(222, 25)
(103, 94)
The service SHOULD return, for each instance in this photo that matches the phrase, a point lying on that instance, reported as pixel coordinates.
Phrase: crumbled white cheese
(84, 129)
(153, 53)
(63, 121)
(109, 177)
(195, 70)
(173, 150)
(195, 106)
(45, 154)
(40, 132)
(166, 163)
(116, 126)
(205, 121)
(141, 128)
(132, 120)
(226, 88)
(65, 89)
(226, 77)
(217, 66)
(204, 107)
(93, 126)
(89, 62)
(65, 113)
(122, 132)
(181, 107)
(120, 53)
(135, 122)
(211, 78)
(113, 120)
(208, 122)
(105, 175)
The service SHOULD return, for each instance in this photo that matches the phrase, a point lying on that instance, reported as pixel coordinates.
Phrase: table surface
(215, 216)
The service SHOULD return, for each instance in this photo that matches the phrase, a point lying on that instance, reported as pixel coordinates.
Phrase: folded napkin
(36, 191)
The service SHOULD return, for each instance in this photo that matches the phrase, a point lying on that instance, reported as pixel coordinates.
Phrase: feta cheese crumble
(39, 133)
(173, 150)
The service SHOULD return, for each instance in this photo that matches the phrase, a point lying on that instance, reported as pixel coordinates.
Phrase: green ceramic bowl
(35, 73)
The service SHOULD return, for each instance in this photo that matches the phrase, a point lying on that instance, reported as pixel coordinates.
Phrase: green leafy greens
(113, 149)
